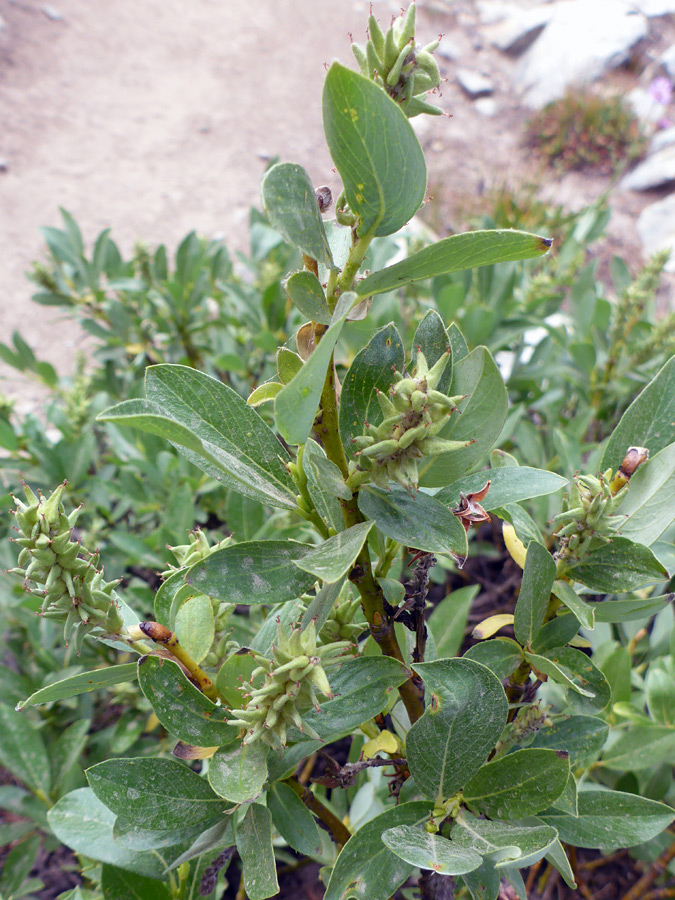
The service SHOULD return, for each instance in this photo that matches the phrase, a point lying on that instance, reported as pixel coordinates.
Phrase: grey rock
(447, 50)
(656, 227)
(51, 12)
(475, 84)
(667, 61)
(516, 33)
(658, 169)
(486, 106)
(491, 11)
(582, 41)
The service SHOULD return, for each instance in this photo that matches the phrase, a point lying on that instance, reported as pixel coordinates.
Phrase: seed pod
(361, 58)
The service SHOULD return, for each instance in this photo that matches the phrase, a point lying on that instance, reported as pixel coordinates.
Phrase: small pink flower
(661, 90)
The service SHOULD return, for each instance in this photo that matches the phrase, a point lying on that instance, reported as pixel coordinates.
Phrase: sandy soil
(156, 117)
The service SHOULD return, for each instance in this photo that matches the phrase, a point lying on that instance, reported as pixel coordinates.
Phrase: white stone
(486, 106)
(658, 169)
(515, 34)
(655, 7)
(667, 61)
(645, 106)
(491, 11)
(662, 139)
(656, 227)
(582, 41)
(475, 84)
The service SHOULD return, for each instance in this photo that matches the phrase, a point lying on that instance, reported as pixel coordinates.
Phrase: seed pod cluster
(406, 71)
(588, 514)
(340, 624)
(60, 571)
(414, 414)
(293, 679)
(197, 549)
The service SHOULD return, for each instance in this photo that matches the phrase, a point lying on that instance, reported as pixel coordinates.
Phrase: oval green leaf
(430, 851)
(335, 557)
(81, 684)
(374, 149)
(238, 773)
(306, 293)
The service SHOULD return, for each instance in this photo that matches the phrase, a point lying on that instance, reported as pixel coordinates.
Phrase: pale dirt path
(148, 116)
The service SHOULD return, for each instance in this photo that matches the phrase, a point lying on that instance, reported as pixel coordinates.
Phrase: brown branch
(657, 868)
(337, 828)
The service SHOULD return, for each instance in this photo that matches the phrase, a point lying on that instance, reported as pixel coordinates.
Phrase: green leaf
(535, 593)
(217, 837)
(618, 567)
(293, 820)
(181, 707)
(254, 843)
(650, 500)
(417, 520)
(320, 607)
(468, 250)
(158, 802)
(372, 369)
(23, 751)
(507, 485)
(335, 557)
(118, 884)
(568, 800)
(253, 573)
(362, 688)
(66, 751)
(84, 824)
(557, 632)
(290, 203)
(575, 670)
(641, 748)
(238, 773)
(506, 845)
(558, 858)
(465, 715)
(234, 671)
(288, 364)
(81, 684)
(264, 393)
(518, 785)
(374, 149)
(609, 820)
(502, 656)
(214, 428)
(306, 293)
(16, 867)
(366, 868)
(430, 851)
(432, 340)
(584, 614)
(648, 422)
(448, 620)
(323, 482)
(480, 420)
(630, 610)
(583, 737)
(661, 695)
(483, 883)
(296, 405)
(194, 626)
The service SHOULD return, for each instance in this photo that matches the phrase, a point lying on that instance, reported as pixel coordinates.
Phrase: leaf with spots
(371, 370)
(618, 567)
(81, 684)
(291, 206)
(253, 573)
(518, 785)
(505, 844)
(335, 557)
(238, 773)
(430, 851)
(465, 715)
(366, 868)
(254, 843)
(118, 884)
(181, 707)
(158, 802)
(375, 150)
(589, 692)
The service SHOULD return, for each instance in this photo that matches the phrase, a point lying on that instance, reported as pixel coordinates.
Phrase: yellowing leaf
(490, 626)
(514, 545)
(385, 742)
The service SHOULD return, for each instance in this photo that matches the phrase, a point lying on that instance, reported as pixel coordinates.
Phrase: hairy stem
(163, 636)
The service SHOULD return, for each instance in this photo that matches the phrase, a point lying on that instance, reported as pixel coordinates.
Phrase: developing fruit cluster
(197, 549)
(588, 514)
(62, 572)
(292, 680)
(414, 414)
(393, 60)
